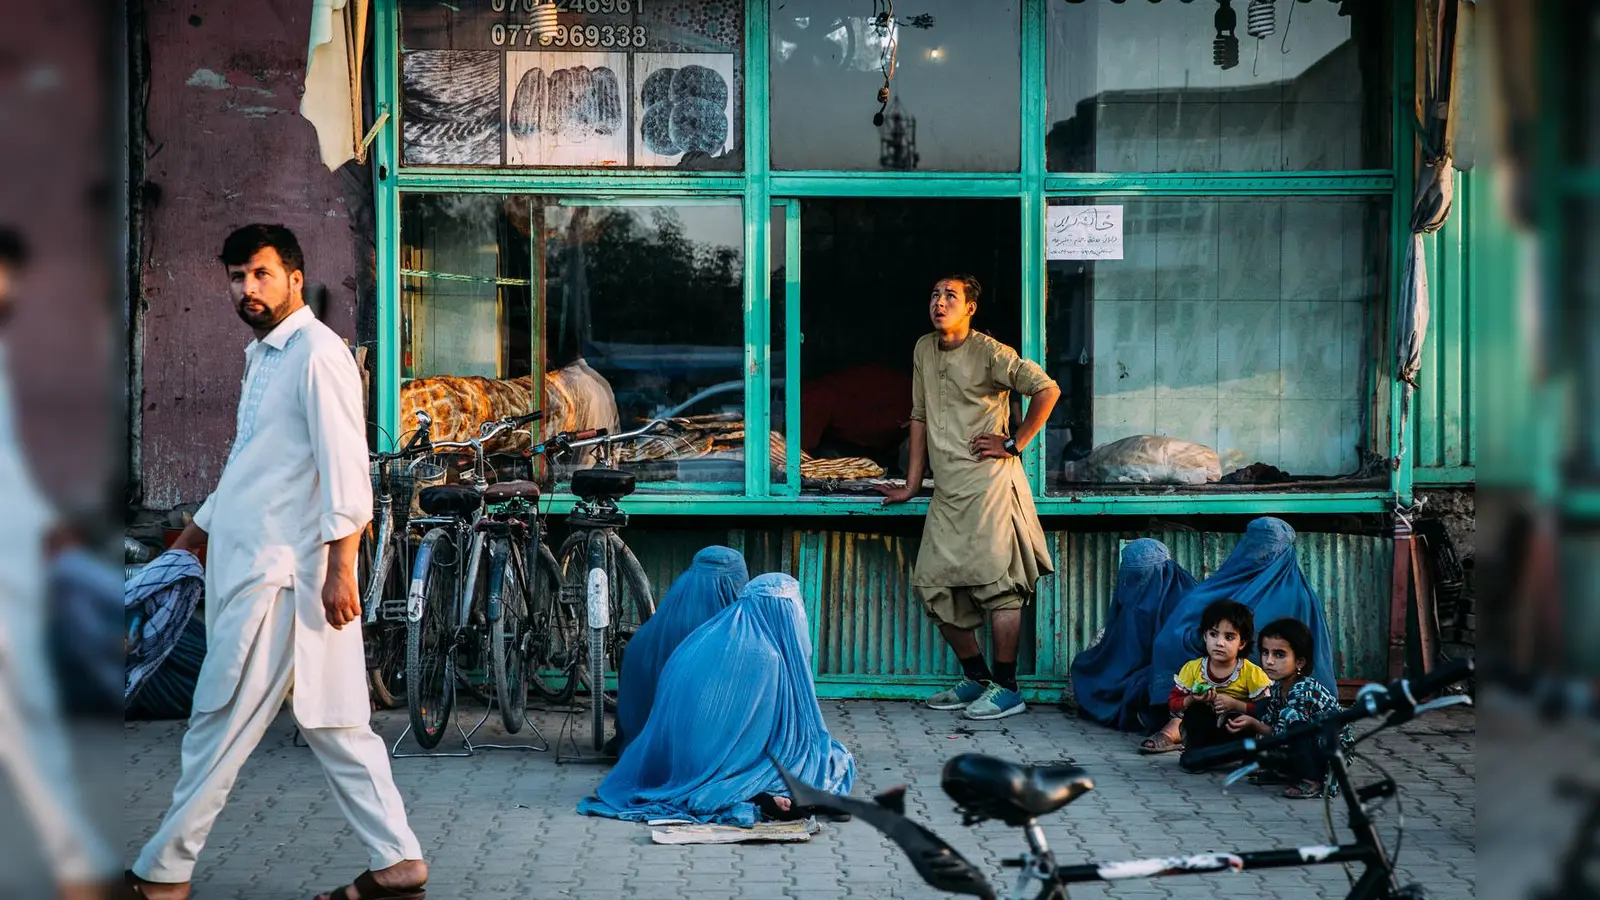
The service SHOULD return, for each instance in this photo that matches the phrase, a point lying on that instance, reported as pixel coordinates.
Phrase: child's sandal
(1305, 790)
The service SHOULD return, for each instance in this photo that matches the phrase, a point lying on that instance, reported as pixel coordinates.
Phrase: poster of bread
(566, 109)
(681, 105)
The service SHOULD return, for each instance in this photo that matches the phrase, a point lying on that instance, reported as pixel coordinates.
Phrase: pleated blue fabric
(1111, 679)
(710, 583)
(734, 697)
(1262, 573)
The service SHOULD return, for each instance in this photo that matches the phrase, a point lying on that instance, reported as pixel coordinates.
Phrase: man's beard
(266, 318)
(6, 311)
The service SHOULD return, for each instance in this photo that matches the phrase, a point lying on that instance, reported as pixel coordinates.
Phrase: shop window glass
(867, 269)
(642, 319)
(1142, 87)
(1245, 326)
(953, 100)
(619, 83)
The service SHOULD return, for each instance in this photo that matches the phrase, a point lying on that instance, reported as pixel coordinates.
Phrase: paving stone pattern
(502, 825)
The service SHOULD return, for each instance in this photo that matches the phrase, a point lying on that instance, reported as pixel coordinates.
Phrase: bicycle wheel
(383, 637)
(508, 629)
(430, 636)
(554, 630)
(589, 644)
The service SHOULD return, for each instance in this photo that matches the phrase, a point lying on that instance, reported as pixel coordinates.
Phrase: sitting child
(1214, 688)
(1287, 651)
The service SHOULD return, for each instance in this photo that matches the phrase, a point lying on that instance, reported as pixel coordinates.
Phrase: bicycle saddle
(602, 484)
(449, 500)
(511, 490)
(990, 788)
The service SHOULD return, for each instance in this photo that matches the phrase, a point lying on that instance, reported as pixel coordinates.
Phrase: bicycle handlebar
(572, 440)
(1400, 698)
(488, 431)
(419, 444)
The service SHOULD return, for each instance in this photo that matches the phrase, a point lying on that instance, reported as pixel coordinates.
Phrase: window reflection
(1140, 87)
(630, 313)
(953, 86)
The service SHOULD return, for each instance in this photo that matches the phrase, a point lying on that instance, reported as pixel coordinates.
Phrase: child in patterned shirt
(1208, 691)
(1287, 650)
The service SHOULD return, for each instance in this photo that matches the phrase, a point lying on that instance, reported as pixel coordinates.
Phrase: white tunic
(295, 480)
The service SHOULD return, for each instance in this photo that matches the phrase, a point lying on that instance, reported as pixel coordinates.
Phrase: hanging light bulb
(543, 19)
(1225, 48)
(1261, 19)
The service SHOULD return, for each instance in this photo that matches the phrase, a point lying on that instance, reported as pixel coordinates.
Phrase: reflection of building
(898, 137)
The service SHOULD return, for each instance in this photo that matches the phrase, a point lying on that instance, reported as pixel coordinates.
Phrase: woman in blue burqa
(735, 697)
(710, 583)
(1263, 573)
(1111, 679)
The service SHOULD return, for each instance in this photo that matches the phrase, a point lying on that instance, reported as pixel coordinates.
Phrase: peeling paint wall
(227, 147)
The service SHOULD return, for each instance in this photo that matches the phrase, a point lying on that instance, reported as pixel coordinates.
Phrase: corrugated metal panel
(1348, 572)
(870, 634)
(1443, 445)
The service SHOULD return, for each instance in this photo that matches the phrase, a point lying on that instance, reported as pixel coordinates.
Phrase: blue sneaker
(958, 697)
(996, 702)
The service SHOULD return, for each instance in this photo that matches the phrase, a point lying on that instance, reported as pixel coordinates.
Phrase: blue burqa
(1263, 574)
(711, 582)
(1111, 679)
(736, 696)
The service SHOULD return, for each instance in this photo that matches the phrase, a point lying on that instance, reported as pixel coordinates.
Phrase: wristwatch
(1011, 447)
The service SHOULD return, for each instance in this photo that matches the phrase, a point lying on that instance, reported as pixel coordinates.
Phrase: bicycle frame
(1378, 879)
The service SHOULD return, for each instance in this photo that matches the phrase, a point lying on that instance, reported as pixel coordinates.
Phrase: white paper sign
(1084, 232)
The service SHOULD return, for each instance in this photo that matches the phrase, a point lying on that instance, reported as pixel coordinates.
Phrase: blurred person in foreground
(34, 750)
(282, 529)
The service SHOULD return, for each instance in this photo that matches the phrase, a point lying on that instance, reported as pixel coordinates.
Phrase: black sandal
(770, 810)
(368, 888)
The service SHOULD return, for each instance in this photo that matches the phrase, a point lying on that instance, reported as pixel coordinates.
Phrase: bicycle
(984, 788)
(383, 563)
(597, 569)
(447, 577)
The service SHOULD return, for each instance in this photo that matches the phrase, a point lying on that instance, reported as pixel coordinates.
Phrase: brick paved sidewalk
(501, 825)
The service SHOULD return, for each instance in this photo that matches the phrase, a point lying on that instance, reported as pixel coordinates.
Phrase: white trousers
(36, 754)
(217, 744)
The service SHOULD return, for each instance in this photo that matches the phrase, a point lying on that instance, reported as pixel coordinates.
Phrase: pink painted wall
(228, 148)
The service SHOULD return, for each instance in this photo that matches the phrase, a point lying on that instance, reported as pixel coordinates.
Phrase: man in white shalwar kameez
(35, 752)
(282, 530)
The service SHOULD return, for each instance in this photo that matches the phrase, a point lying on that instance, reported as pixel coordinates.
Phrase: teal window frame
(763, 190)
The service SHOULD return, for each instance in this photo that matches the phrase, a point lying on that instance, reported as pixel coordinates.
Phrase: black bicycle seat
(511, 490)
(602, 484)
(991, 788)
(449, 500)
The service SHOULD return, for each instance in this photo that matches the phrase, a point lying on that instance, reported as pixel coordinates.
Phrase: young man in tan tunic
(983, 549)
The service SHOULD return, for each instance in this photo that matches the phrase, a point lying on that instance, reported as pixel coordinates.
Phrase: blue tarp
(734, 697)
(1111, 679)
(1263, 574)
(711, 582)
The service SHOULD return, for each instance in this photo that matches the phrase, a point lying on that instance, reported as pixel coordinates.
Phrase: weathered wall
(55, 153)
(226, 147)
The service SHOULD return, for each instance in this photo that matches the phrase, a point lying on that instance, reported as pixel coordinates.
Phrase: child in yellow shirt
(1209, 691)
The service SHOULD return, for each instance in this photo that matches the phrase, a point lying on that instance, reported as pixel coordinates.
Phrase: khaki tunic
(982, 527)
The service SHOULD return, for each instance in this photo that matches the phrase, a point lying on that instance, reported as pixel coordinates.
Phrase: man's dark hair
(13, 249)
(1235, 613)
(252, 239)
(970, 288)
(1294, 633)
